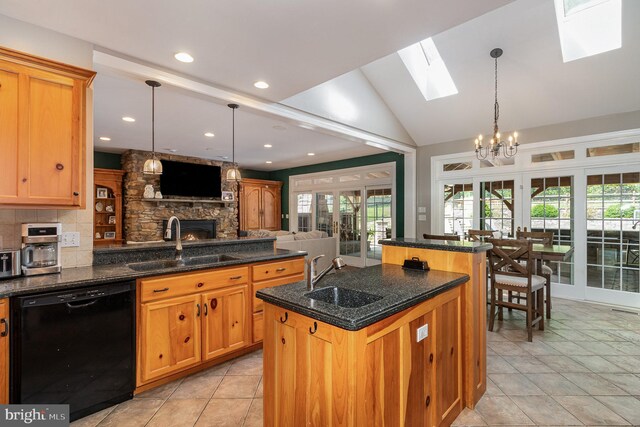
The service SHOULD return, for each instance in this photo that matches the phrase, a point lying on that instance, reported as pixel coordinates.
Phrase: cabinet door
(170, 338)
(4, 351)
(8, 134)
(250, 207)
(225, 321)
(420, 397)
(448, 380)
(52, 141)
(271, 208)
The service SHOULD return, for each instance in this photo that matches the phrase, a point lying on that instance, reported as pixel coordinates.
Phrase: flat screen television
(190, 180)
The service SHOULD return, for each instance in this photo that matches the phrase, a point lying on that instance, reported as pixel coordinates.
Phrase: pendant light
(153, 166)
(233, 174)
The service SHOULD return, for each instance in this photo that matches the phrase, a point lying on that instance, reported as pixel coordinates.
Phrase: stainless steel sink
(172, 263)
(343, 297)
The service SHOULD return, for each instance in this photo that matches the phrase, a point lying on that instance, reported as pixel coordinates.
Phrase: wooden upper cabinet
(260, 204)
(42, 131)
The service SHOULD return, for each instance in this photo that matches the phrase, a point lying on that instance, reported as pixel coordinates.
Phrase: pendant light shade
(153, 166)
(233, 174)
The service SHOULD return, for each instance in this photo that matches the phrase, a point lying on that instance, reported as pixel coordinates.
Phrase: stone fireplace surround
(143, 219)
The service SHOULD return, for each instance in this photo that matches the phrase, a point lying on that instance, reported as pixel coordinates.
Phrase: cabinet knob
(59, 166)
(200, 284)
(75, 193)
(214, 303)
(24, 179)
(181, 317)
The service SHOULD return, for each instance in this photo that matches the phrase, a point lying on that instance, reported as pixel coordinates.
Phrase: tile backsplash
(72, 220)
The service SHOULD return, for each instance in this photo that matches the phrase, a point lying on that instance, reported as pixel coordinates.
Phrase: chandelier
(508, 148)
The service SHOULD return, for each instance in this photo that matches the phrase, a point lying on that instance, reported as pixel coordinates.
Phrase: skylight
(588, 27)
(428, 70)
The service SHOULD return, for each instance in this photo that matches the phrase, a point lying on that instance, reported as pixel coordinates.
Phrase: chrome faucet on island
(167, 235)
(312, 278)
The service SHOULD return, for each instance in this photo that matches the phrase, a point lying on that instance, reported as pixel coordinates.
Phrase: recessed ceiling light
(209, 134)
(279, 127)
(311, 154)
(183, 57)
(128, 119)
(105, 138)
(268, 162)
(268, 145)
(261, 84)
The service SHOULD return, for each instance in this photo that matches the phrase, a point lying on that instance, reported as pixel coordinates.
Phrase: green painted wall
(284, 174)
(254, 174)
(106, 160)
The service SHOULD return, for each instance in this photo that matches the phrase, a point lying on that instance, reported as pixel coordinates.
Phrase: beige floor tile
(255, 414)
(598, 364)
(163, 392)
(469, 418)
(507, 348)
(501, 410)
(93, 419)
(600, 348)
(590, 411)
(628, 363)
(628, 382)
(234, 387)
(563, 364)
(132, 413)
(259, 391)
(594, 384)
(248, 366)
(600, 335)
(197, 387)
(543, 410)
(556, 385)
(224, 413)
(628, 407)
(626, 347)
(528, 364)
(497, 365)
(537, 348)
(492, 389)
(515, 385)
(572, 335)
(178, 413)
(569, 348)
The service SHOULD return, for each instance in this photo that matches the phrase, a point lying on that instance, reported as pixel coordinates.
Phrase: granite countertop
(101, 274)
(399, 289)
(442, 245)
(144, 246)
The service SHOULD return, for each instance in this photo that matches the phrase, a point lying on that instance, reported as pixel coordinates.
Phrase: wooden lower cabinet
(225, 325)
(321, 375)
(4, 351)
(170, 339)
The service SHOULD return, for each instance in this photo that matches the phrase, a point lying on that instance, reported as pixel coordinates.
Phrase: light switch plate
(70, 239)
(422, 332)
(422, 217)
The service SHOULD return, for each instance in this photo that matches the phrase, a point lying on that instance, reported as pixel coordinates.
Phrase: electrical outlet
(422, 217)
(70, 239)
(422, 333)
(422, 209)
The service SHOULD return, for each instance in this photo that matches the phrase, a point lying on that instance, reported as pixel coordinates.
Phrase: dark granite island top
(399, 289)
(442, 245)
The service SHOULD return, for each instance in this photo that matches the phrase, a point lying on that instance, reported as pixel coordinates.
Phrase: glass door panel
(379, 221)
(458, 208)
(350, 226)
(613, 232)
(303, 211)
(324, 212)
(551, 206)
(497, 207)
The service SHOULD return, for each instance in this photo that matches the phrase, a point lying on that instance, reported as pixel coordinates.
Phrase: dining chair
(477, 235)
(545, 238)
(508, 274)
(446, 237)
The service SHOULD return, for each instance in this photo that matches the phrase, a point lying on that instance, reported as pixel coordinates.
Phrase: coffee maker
(41, 245)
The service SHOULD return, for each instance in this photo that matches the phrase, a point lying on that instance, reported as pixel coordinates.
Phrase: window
(458, 208)
(379, 220)
(428, 70)
(496, 207)
(448, 167)
(303, 203)
(612, 150)
(552, 157)
(497, 162)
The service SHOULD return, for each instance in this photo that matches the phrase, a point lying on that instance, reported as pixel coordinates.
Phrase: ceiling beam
(301, 118)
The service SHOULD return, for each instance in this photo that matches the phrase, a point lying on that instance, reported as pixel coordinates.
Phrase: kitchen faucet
(167, 235)
(312, 279)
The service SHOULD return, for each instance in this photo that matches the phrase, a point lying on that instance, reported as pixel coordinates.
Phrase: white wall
(591, 126)
(39, 41)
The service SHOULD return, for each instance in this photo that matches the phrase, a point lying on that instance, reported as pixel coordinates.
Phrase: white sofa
(313, 242)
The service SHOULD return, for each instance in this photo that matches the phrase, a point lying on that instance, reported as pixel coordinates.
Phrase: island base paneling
(321, 375)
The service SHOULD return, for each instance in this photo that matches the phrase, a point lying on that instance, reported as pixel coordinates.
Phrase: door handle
(206, 310)
(160, 290)
(82, 305)
(281, 269)
(198, 312)
(5, 332)
(235, 277)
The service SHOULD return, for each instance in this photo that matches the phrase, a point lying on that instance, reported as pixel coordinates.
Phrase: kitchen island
(377, 346)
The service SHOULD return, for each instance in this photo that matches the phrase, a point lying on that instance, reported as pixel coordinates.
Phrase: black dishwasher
(74, 347)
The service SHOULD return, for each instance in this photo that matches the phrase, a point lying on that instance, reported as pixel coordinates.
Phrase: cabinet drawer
(277, 269)
(258, 327)
(257, 302)
(164, 287)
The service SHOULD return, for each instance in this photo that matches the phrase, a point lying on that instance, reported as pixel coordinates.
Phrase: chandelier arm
(153, 121)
